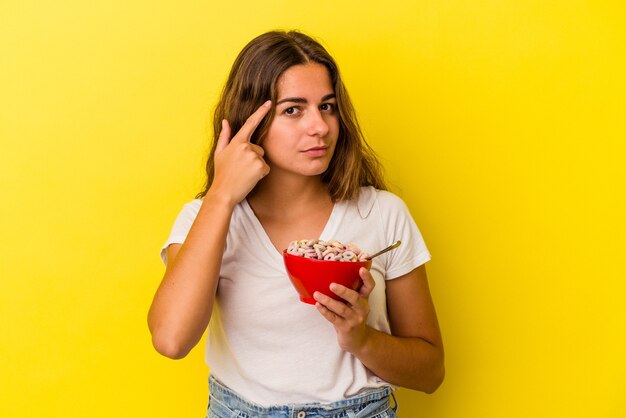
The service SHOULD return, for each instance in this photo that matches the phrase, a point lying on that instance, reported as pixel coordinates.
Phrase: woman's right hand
(239, 165)
(182, 307)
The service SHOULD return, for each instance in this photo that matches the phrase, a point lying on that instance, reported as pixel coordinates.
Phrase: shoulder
(182, 225)
(187, 214)
(190, 209)
(388, 198)
(369, 197)
(193, 206)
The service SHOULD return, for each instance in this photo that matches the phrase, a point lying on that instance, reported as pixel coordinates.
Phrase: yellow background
(501, 124)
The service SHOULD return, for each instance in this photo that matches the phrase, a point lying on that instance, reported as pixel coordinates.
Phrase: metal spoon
(391, 247)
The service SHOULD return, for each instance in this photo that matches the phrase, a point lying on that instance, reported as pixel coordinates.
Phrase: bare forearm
(182, 306)
(409, 362)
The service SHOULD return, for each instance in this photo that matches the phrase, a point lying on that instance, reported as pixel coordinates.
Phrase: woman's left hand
(348, 318)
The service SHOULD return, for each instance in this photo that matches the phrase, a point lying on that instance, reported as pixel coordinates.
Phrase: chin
(315, 171)
(304, 168)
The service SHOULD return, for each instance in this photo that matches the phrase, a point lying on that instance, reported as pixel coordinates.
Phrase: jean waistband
(366, 404)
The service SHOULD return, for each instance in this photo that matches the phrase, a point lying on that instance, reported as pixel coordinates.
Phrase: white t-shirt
(267, 345)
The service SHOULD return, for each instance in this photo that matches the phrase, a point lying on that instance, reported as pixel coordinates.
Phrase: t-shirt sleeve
(399, 225)
(181, 226)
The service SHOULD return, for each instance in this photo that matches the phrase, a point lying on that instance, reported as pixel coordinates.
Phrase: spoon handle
(384, 250)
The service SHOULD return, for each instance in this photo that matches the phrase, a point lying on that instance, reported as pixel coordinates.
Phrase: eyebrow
(303, 100)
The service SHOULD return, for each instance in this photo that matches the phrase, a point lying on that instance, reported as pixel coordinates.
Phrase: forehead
(305, 79)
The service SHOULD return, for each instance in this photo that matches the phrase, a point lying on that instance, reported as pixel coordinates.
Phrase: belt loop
(395, 402)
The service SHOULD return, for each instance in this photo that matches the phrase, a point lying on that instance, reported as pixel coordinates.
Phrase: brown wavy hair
(253, 80)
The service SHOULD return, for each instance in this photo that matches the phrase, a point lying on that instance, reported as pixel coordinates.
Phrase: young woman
(289, 162)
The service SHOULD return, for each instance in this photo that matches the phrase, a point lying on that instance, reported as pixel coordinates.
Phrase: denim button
(301, 414)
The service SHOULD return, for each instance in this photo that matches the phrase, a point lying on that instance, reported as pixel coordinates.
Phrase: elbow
(166, 341)
(436, 379)
(437, 372)
(169, 348)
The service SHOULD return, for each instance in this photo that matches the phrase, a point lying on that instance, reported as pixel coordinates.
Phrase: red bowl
(310, 275)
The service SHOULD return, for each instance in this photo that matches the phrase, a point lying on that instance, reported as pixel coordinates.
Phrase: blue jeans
(373, 403)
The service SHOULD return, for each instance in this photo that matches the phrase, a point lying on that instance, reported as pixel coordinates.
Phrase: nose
(317, 125)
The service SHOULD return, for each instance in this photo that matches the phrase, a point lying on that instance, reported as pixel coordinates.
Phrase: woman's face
(302, 136)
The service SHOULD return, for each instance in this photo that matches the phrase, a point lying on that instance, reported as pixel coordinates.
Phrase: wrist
(214, 196)
(365, 342)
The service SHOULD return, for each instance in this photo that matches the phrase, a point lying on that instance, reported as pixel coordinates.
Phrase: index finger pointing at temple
(253, 121)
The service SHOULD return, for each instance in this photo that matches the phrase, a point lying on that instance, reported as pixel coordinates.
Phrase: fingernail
(268, 103)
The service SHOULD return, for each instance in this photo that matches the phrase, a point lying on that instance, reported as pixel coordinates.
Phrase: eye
(291, 111)
(328, 107)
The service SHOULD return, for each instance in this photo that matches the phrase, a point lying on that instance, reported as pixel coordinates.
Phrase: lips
(315, 148)
(316, 151)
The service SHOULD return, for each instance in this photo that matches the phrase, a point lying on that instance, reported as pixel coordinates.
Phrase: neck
(288, 193)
